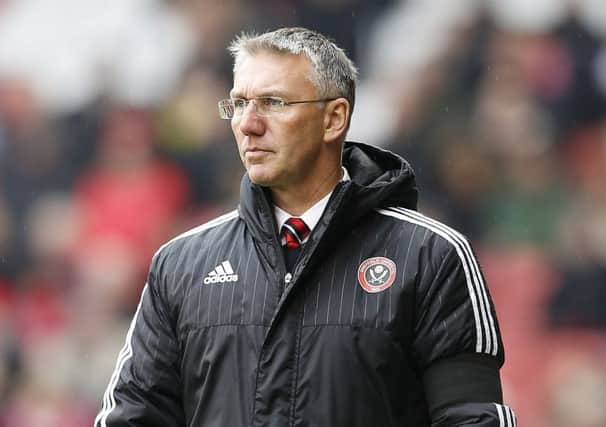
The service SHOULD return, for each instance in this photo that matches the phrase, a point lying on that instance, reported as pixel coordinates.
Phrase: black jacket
(385, 321)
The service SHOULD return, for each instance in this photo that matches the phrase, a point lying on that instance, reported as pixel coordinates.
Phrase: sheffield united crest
(376, 274)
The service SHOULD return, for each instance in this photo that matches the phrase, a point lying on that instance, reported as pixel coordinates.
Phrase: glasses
(264, 105)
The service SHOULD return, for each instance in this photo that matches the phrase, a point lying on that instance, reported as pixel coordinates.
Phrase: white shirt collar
(312, 216)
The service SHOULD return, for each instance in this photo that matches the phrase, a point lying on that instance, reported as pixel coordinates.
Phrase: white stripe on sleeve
(109, 401)
(500, 412)
(484, 322)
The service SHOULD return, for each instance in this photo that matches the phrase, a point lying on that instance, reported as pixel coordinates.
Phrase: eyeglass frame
(282, 103)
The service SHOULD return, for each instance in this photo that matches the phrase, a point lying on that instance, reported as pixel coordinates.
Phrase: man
(325, 299)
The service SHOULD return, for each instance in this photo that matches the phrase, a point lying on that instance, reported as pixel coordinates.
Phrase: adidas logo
(221, 274)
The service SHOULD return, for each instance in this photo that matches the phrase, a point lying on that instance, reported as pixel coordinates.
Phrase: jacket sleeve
(465, 390)
(476, 415)
(457, 344)
(145, 387)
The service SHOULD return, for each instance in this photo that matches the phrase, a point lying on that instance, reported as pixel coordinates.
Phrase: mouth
(255, 153)
(252, 149)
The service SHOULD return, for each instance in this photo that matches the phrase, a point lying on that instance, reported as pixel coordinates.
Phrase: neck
(297, 201)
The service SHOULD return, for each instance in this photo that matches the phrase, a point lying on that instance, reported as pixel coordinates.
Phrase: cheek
(303, 134)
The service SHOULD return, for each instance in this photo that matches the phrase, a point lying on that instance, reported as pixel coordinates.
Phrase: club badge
(376, 274)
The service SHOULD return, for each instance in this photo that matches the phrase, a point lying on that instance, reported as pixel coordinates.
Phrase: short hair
(334, 76)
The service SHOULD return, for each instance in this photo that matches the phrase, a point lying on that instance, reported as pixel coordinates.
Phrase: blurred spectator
(130, 193)
(10, 357)
(214, 23)
(579, 299)
(110, 144)
(576, 381)
(30, 165)
(190, 134)
(77, 50)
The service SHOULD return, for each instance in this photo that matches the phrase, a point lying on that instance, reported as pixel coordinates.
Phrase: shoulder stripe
(486, 336)
(507, 417)
(514, 422)
(480, 286)
(500, 412)
(207, 225)
(109, 401)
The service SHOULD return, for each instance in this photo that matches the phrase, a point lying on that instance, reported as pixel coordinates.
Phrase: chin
(260, 178)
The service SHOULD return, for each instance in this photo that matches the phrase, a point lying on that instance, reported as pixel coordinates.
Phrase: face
(285, 150)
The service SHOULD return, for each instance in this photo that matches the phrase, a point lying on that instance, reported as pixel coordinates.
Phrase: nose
(250, 122)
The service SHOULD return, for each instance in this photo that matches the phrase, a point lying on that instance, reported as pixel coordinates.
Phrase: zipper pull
(287, 278)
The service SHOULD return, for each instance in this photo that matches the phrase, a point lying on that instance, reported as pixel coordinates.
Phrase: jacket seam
(348, 325)
(225, 324)
(187, 331)
(341, 325)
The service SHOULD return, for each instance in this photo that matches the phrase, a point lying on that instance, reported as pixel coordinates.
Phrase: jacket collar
(379, 178)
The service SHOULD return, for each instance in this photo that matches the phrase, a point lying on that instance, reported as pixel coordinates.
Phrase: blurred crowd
(110, 144)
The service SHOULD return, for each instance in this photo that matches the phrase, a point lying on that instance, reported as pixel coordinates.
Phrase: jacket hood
(379, 178)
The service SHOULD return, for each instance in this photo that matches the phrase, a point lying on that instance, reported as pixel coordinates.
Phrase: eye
(239, 103)
(270, 101)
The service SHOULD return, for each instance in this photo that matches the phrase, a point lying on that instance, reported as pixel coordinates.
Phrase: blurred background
(110, 144)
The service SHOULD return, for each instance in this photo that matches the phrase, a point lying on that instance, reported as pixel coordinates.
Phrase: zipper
(284, 277)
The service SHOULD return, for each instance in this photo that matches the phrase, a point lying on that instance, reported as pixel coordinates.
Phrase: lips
(254, 154)
(256, 150)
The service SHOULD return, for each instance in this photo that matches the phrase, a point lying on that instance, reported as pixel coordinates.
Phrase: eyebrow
(277, 93)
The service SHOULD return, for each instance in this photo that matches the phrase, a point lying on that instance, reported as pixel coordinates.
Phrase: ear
(336, 116)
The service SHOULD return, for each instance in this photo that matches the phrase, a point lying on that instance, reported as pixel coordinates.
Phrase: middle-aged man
(325, 299)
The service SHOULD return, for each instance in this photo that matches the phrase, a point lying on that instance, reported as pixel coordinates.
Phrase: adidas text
(221, 274)
(221, 278)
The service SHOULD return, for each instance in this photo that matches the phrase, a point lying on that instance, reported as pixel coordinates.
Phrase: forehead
(268, 73)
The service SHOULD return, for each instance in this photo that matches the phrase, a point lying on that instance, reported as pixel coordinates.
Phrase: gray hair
(334, 75)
